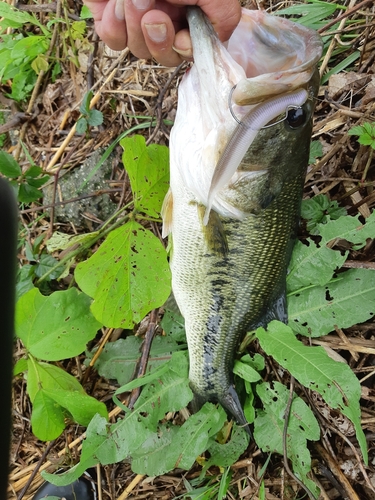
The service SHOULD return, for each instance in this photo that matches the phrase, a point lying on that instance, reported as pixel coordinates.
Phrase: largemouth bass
(236, 186)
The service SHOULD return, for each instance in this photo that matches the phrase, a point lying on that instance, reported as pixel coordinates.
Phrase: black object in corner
(8, 253)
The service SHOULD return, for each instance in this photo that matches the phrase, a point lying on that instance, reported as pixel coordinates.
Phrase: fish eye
(296, 117)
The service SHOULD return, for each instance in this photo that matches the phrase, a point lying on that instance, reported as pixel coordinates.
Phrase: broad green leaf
(170, 393)
(302, 425)
(20, 366)
(30, 46)
(55, 327)
(178, 447)
(47, 418)
(148, 170)
(81, 406)
(118, 359)
(42, 375)
(96, 434)
(9, 166)
(314, 369)
(307, 258)
(225, 455)
(85, 13)
(28, 193)
(15, 15)
(245, 371)
(128, 276)
(344, 302)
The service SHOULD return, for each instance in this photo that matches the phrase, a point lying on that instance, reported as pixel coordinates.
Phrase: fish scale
(228, 276)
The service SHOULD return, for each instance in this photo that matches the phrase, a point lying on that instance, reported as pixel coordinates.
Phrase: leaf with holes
(55, 327)
(302, 425)
(127, 277)
(314, 369)
(307, 258)
(148, 170)
(344, 302)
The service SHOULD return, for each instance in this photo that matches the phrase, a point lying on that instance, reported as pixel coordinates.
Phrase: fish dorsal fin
(214, 232)
(167, 213)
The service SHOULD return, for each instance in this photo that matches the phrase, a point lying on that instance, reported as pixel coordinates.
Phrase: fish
(239, 151)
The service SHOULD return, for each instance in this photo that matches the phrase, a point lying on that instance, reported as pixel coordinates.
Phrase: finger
(223, 14)
(134, 12)
(110, 23)
(159, 35)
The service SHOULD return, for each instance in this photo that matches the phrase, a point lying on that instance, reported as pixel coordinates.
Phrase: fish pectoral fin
(214, 232)
(167, 213)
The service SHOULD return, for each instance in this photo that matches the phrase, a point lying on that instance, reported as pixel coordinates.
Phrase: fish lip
(305, 46)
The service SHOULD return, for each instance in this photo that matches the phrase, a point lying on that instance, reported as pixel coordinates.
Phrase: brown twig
(159, 103)
(146, 346)
(35, 470)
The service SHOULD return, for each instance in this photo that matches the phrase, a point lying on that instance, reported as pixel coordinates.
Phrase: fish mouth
(276, 55)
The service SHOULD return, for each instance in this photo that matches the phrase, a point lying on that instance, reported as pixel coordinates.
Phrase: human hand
(158, 28)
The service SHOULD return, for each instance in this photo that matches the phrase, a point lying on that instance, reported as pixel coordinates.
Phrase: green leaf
(96, 434)
(348, 61)
(48, 377)
(316, 150)
(45, 264)
(148, 170)
(20, 367)
(9, 166)
(313, 13)
(39, 64)
(85, 106)
(344, 302)
(118, 359)
(128, 276)
(81, 406)
(314, 369)
(172, 448)
(30, 47)
(81, 126)
(94, 117)
(245, 371)
(28, 194)
(55, 327)
(307, 259)
(174, 326)
(319, 210)
(225, 455)
(15, 15)
(302, 425)
(47, 418)
(85, 13)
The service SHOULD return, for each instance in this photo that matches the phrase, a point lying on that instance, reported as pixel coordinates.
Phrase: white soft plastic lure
(244, 135)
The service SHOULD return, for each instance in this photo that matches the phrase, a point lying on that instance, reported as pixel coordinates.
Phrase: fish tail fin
(230, 401)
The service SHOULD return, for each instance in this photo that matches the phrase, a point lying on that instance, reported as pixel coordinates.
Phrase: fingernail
(157, 32)
(141, 4)
(120, 10)
(184, 52)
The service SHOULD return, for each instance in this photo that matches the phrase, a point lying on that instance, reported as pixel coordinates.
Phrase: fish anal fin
(167, 214)
(214, 232)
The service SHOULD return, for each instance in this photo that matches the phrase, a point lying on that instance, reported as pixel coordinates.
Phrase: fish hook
(288, 108)
(230, 105)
